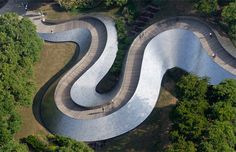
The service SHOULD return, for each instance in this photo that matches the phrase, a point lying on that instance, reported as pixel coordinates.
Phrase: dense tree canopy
(186, 88)
(115, 3)
(74, 4)
(181, 145)
(229, 13)
(19, 49)
(225, 91)
(207, 7)
(229, 16)
(220, 136)
(56, 144)
(227, 9)
(204, 117)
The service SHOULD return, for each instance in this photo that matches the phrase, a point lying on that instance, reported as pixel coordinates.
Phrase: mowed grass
(54, 57)
(54, 12)
(153, 134)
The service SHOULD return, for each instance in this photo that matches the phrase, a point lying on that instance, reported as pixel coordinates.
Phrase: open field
(53, 57)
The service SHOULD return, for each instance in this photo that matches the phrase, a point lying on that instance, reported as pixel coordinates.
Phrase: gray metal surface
(83, 90)
(82, 37)
(98, 26)
(169, 49)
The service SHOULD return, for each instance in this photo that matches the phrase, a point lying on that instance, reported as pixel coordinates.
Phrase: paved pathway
(126, 109)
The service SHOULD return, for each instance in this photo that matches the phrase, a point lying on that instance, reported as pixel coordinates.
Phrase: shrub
(128, 14)
(74, 4)
(229, 13)
(232, 31)
(115, 3)
(186, 88)
(35, 143)
(120, 27)
(207, 7)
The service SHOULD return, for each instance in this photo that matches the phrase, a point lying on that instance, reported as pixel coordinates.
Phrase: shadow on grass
(43, 90)
(151, 135)
(170, 78)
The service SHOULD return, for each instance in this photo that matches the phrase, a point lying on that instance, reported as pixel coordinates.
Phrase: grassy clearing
(54, 11)
(54, 56)
(152, 134)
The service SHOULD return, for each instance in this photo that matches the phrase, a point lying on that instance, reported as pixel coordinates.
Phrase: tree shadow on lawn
(43, 90)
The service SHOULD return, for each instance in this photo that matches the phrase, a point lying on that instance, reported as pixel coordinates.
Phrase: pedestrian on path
(210, 34)
(112, 104)
(213, 55)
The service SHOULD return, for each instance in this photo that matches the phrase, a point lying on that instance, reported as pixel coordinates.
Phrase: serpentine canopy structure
(79, 112)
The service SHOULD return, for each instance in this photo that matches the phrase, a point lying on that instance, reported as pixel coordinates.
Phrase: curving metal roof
(172, 48)
(176, 42)
(80, 36)
(85, 85)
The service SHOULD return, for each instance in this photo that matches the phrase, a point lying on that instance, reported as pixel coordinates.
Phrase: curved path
(79, 112)
(162, 46)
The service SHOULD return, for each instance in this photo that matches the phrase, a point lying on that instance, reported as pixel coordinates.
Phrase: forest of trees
(204, 117)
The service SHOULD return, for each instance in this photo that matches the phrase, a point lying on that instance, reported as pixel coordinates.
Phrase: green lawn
(53, 58)
(53, 11)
